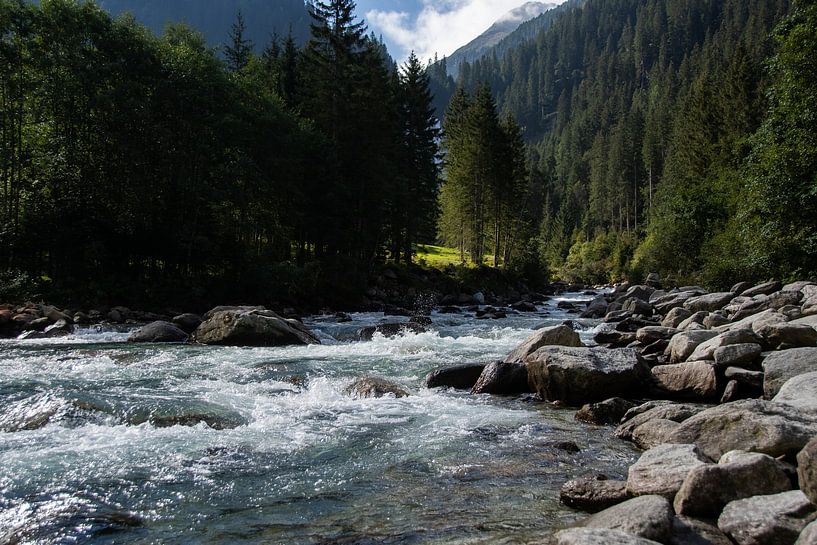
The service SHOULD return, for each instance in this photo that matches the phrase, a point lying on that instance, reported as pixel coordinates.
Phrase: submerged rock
(252, 328)
(158, 332)
(461, 377)
(375, 387)
(777, 519)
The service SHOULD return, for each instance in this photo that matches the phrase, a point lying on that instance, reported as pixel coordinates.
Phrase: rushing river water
(92, 450)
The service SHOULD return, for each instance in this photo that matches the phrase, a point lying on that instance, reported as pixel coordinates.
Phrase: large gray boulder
(690, 531)
(598, 536)
(780, 366)
(707, 489)
(560, 335)
(158, 332)
(609, 411)
(683, 345)
(737, 355)
(776, 519)
(693, 380)
(709, 302)
(583, 375)
(807, 470)
(593, 493)
(706, 350)
(766, 288)
(502, 378)
(675, 317)
(810, 321)
(800, 392)
(760, 319)
(752, 425)
(674, 300)
(649, 517)
(789, 335)
(252, 328)
(461, 377)
(650, 334)
(373, 387)
(654, 411)
(662, 470)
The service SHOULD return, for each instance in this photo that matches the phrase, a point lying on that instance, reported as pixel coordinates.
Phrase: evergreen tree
(239, 50)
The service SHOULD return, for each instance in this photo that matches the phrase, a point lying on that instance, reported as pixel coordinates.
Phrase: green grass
(440, 257)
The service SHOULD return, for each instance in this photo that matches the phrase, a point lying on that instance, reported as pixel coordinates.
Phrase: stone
(560, 335)
(706, 350)
(775, 519)
(598, 536)
(187, 322)
(593, 493)
(59, 329)
(675, 316)
(809, 307)
(647, 516)
(707, 489)
(460, 377)
(714, 320)
(689, 380)
(745, 376)
(223, 308)
(789, 335)
(252, 328)
(808, 536)
(653, 433)
(810, 321)
(653, 280)
(371, 387)
(55, 315)
(737, 355)
(650, 334)
(597, 308)
(583, 375)
(741, 287)
(779, 367)
(709, 302)
(696, 319)
(637, 306)
(799, 392)
(807, 470)
(616, 339)
(502, 378)
(690, 531)
(662, 470)
(609, 411)
(761, 318)
(673, 300)
(158, 332)
(391, 330)
(766, 288)
(682, 346)
(752, 425)
(798, 286)
(664, 410)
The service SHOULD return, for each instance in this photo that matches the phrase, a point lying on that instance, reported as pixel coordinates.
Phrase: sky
(428, 27)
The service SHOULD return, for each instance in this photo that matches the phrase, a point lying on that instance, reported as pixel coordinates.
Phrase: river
(89, 453)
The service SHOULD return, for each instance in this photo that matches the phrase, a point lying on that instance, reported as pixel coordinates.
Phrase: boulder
(752, 425)
(187, 322)
(662, 470)
(648, 516)
(706, 350)
(696, 319)
(690, 531)
(808, 536)
(597, 308)
(158, 332)
(460, 377)
(593, 493)
(709, 302)
(609, 411)
(714, 320)
(745, 376)
(637, 306)
(779, 367)
(741, 287)
(761, 318)
(695, 380)
(583, 375)
(502, 378)
(776, 519)
(598, 536)
(616, 339)
(798, 286)
(675, 316)
(682, 346)
(224, 308)
(800, 392)
(375, 387)
(560, 335)
(252, 328)
(650, 334)
(807, 470)
(653, 280)
(737, 355)
(647, 412)
(653, 433)
(58, 329)
(707, 489)
(55, 315)
(789, 335)
(674, 300)
(766, 288)
(810, 321)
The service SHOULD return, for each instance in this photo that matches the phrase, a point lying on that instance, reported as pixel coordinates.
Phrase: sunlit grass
(440, 257)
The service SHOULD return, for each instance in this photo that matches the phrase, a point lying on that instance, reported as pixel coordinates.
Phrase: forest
(627, 137)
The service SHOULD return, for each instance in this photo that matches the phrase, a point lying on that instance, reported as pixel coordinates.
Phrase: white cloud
(441, 26)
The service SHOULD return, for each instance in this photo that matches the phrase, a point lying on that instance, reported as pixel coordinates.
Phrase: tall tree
(239, 51)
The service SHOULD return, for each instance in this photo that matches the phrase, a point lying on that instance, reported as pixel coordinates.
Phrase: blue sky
(430, 27)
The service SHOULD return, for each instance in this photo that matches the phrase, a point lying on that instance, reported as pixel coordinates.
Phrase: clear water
(89, 452)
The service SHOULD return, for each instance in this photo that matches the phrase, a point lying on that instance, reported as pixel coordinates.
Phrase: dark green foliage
(239, 49)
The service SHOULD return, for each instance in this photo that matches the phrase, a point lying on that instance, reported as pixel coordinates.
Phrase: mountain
(214, 18)
(500, 30)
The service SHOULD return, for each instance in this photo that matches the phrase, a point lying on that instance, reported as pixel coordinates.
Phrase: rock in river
(593, 493)
(158, 332)
(461, 377)
(502, 378)
(252, 328)
(560, 335)
(375, 387)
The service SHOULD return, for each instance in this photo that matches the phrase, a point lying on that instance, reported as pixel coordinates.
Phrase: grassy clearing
(440, 257)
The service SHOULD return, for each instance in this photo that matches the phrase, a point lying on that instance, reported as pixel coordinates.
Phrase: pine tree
(239, 51)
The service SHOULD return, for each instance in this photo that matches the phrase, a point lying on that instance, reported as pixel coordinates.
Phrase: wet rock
(609, 411)
(800, 392)
(690, 531)
(581, 375)
(650, 334)
(503, 378)
(598, 536)
(807, 470)
(368, 387)
(461, 377)
(187, 322)
(593, 493)
(560, 335)
(252, 328)
(751, 425)
(391, 330)
(695, 380)
(682, 346)
(662, 470)
(709, 302)
(524, 306)
(649, 517)
(158, 332)
(37, 324)
(737, 355)
(707, 489)
(192, 414)
(779, 367)
(59, 329)
(567, 446)
(789, 335)
(776, 519)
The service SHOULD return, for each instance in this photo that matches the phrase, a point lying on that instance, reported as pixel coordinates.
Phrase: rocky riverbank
(719, 389)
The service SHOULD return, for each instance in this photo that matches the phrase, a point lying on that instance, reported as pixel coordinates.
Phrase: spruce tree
(239, 50)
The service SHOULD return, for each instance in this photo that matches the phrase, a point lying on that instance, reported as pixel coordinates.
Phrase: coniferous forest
(627, 137)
